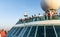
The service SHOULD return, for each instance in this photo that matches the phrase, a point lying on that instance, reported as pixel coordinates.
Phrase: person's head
(54, 13)
(47, 11)
(2, 30)
(32, 15)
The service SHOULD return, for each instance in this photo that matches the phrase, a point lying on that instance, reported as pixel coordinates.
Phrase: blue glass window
(19, 31)
(25, 35)
(32, 32)
(50, 31)
(17, 28)
(58, 30)
(10, 32)
(40, 32)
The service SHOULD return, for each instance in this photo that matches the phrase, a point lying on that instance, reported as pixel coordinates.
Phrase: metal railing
(42, 18)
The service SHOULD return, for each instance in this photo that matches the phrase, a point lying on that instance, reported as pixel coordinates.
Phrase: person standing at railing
(39, 15)
(48, 15)
(45, 15)
(54, 16)
(0, 33)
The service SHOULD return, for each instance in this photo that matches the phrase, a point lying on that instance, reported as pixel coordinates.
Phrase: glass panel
(58, 30)
(50, 31)
(25, 35)
(9, 33)
(33, 19)
(11, 30)
(19, 31)
(40, 32)
(42, 18)
(22, 32)
(16, 30)
(59, 17)
(32, 33)
(39, 18)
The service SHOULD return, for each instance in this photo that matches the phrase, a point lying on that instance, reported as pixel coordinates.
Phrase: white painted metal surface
(41, 23)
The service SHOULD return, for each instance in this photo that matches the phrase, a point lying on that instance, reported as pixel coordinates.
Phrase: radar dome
(50, 4)
(44, 5)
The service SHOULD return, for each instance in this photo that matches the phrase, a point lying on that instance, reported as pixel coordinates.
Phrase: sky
(12, 10)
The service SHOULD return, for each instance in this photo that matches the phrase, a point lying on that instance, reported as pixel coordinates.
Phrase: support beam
(29, 32)
(44, 31)
(55, 31)
(36, 31)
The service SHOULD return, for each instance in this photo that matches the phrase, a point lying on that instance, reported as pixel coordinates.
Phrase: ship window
(14, 30)
(17, 28)
(32, 32)
(50, 31)
(10, 32)
(22, 32)
(40, 32)
(58, 30)
(19, 31)
(39, 18)
(25, 35)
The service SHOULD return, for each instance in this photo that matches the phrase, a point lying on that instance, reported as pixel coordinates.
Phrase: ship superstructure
(36, 27)
(47, 25)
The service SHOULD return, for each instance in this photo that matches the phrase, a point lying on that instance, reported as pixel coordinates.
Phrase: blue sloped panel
(28, 28)
(19, 31)
(40, 32)
(15, 31)
(32, 32)
(58, 30)
(22, 32)
(10, 32)
(50, 31)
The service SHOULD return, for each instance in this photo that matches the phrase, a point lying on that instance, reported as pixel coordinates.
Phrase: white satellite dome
(53, 4)
(50, 4)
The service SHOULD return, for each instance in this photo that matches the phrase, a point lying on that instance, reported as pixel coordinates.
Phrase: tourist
(54, 16)
(45, 15)
(39, 16)
(35, 17)
(3, 34)
(0, 33)
(48, 14)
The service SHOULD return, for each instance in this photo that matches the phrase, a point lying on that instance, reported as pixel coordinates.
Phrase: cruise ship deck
(36, 27)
